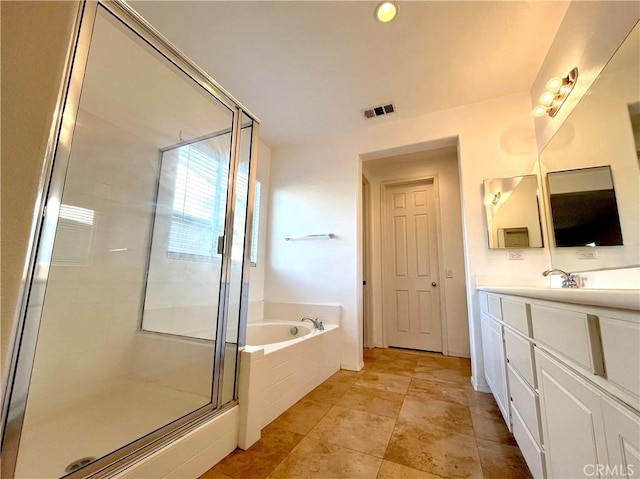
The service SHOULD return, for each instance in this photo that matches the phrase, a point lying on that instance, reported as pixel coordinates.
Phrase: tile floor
(406, 415)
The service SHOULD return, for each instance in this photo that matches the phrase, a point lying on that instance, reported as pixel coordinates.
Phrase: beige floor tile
(383, 403)
(465, 366)
(502, 461)
(315, 459)
(302, 416)
(391, 470)
(329, 392)
(450, 375)
(490, 425)
(399, 353)
(345, 376)
(438, 362)
(435, 450)
(262, 458)
(214, 474)
(397, 366)
(443, 414)
(356, 430)
(482, 400)
(371, 353)
(415, 409)
(441, 390)
(385, 382)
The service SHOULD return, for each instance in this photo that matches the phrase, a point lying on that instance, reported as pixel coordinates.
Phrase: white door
(411, 290)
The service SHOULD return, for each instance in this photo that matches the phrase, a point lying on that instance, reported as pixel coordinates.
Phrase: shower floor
(93, 429)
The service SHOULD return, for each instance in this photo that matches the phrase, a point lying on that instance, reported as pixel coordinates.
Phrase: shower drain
(78, 463)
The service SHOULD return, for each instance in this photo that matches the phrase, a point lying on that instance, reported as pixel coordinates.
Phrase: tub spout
(569, 280)
(317, 324)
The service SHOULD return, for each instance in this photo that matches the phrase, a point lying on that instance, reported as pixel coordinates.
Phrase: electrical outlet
(587, 254)
(448, 273)
(518, 255)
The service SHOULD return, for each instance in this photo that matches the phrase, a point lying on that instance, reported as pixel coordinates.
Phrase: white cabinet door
(572, 421)
(623, 439)
(495, 369)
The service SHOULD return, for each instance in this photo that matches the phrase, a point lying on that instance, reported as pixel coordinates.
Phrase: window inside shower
(136, 297)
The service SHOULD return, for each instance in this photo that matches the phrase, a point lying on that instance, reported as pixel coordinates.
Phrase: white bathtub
(273, 335)
(277, 368)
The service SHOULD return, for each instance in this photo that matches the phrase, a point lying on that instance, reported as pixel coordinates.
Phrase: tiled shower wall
(92, 308)
(90, 339)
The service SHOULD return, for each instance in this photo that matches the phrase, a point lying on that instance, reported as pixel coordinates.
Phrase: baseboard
(480, 386)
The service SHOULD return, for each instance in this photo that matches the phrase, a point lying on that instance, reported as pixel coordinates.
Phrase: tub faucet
(317, 324)
(569, 280)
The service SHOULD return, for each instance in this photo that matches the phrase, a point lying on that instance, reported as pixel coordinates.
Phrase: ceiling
(307, 69)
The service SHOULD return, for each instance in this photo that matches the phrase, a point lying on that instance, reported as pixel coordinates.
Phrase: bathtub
(272, 335)
(278, 367)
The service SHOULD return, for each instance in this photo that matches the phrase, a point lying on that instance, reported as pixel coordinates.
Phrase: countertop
(609, 298)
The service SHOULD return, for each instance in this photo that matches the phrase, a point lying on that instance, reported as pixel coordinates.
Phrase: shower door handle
(220, 244)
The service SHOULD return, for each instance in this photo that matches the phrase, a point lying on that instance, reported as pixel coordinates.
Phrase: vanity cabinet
(495, 363)
(572, 383)
(573, 423)
(622, 429)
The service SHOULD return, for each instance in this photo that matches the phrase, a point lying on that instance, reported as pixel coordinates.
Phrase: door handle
(434, 284)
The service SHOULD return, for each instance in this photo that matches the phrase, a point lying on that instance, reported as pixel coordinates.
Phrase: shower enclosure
(136, 302)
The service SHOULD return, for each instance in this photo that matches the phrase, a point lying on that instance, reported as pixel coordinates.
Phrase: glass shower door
(131, 310)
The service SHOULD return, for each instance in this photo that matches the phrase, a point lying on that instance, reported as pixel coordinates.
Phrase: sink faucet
(569, 280)
(317, 324)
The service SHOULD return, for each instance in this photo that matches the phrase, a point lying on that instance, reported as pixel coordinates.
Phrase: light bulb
(547, 98)
(386, 11)
(555, 84)
(540, 110)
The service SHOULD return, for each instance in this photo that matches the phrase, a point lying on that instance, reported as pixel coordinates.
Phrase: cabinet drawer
(620, 340)
(525, 401)
(571, 334)
(484, 301)
(519, 353)
(530, 450)
(516, 315)
(494, 308)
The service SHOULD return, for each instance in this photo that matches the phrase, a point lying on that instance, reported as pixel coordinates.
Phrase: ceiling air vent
(379, 110)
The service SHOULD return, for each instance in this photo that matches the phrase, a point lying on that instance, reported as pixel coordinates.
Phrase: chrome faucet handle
(571, 281)
(317, 324)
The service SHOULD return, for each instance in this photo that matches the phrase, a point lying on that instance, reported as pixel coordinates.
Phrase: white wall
(443, 164)
(315, 188)
(257, 272)
(588, 36)
(91, 309)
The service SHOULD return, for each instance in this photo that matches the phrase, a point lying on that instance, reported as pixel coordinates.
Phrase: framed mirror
(513, 215)
(595, 150)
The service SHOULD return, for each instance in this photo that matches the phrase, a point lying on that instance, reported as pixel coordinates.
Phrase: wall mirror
(513, 218)
(584, 211)
(598, 143)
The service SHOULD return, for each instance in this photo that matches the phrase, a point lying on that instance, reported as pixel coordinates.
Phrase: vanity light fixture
(557, 91)
(386, 11)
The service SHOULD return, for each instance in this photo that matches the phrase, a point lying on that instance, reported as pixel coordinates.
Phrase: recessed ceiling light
(386, 11)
